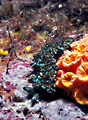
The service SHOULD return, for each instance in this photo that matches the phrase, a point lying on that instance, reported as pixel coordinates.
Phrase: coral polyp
(69, 61)
(73, 76)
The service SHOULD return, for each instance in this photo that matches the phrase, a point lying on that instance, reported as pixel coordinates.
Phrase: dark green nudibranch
(44, 65)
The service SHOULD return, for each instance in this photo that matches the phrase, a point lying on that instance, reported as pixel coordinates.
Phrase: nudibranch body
(43, 77)
(73, 75)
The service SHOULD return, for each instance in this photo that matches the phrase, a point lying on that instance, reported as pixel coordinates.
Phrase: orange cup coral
(68, 79)
(81, 96)
(73, 76)
(69, 61)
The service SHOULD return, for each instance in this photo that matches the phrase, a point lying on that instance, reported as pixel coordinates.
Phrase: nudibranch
(73, 76)
(43, 77)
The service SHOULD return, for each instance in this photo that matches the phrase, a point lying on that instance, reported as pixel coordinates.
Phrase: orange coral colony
(73, 76)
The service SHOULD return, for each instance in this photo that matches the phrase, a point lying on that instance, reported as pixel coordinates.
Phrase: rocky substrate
(19, 107)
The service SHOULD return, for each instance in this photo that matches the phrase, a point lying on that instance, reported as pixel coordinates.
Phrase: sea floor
(19, 107)
(33, 23)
